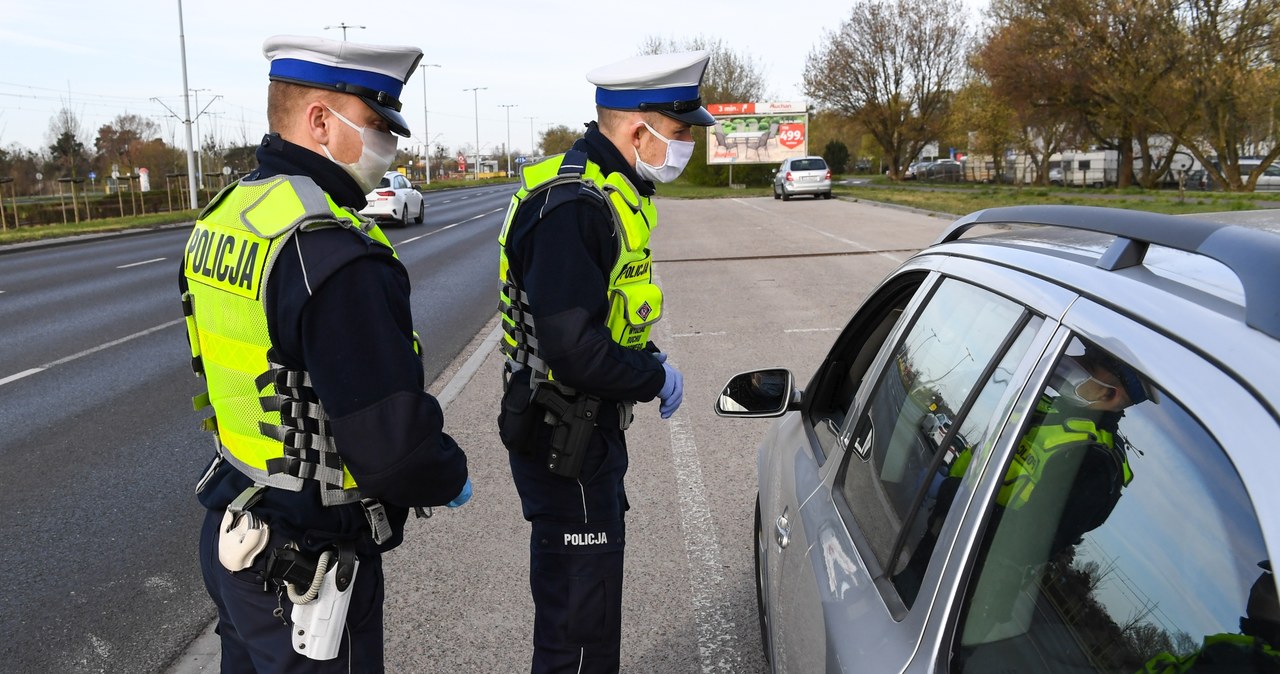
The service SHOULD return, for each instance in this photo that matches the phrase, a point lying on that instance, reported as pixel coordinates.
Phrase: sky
(101, 59)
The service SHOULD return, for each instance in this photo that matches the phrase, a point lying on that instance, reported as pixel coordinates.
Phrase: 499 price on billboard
(757, 133)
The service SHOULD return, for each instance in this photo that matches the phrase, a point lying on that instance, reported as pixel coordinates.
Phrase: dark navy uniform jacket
(345, 318)
(563, 263)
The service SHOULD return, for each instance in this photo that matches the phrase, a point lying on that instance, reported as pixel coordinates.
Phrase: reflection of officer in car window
(1077, 427)
(1253, 650)
(1093, 391)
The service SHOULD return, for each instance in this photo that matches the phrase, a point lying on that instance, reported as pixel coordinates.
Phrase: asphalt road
(99, 449)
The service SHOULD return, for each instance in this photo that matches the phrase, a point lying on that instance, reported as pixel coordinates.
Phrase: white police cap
(665, 83)
(376, 73)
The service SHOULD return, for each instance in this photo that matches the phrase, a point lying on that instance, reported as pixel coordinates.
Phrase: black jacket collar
(277, 156)
(605, 154)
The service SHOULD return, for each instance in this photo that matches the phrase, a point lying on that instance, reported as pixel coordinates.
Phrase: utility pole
(186, 100)
(344, 26)
(532, 146)
(475, 93)
(426, 130)
(199, 146)
(508, 147)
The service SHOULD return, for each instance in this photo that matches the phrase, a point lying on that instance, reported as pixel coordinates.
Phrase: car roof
(1208, 285)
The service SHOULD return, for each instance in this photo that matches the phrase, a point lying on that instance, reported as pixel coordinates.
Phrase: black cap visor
(395, 120)
(689, 112)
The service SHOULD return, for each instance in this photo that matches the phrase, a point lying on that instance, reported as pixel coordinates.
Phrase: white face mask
(375, 157)
(678, 153)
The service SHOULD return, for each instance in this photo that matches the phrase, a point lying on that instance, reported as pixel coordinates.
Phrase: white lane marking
(812, 330)
(93, 350)
(717, 644)
(700, 334)
(855, 244)
(829, 235)
(138, 264)
(446, 201)
(461, 222)
(20, 375)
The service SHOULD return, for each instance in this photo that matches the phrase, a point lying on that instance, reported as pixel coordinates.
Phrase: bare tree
(1233, 79)
(66, 142)
(894, 64)
(730, 77)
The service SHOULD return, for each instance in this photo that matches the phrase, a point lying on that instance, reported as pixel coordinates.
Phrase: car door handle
(782, 530)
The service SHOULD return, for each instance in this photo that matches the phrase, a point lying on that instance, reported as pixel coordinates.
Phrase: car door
(865, 539)
(793, 456)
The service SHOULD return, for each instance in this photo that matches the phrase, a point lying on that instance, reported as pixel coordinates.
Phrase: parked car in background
(914, 171)
(395, 200)
(943, 170)
(1106, 385)
(802, 175)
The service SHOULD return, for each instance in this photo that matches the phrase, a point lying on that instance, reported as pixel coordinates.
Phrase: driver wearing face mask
(299, 322)
(578, 301)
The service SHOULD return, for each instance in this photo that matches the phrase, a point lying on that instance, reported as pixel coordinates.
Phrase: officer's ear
(316, 120)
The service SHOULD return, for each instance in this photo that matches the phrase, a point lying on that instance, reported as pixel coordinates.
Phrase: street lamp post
(426, 130)
(476, 96)
(508, 148)
(344, 26)
(186, 101)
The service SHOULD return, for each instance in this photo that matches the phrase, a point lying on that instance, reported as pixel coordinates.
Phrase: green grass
(969, 198)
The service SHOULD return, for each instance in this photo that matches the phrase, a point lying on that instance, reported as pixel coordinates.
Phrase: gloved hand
(462, 497)
(672, 389)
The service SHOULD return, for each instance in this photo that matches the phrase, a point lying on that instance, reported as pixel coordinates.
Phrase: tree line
(1141, 77)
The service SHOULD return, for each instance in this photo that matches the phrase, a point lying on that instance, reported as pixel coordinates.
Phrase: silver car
(1048, 448)
(802, 175)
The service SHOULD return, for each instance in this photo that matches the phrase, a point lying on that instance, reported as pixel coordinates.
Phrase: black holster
(573, 419)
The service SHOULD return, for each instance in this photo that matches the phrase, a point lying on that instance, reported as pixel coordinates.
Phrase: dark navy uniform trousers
(575, 555)
(255, 640)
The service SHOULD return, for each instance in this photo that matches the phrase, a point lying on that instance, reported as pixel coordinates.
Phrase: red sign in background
(791, 135)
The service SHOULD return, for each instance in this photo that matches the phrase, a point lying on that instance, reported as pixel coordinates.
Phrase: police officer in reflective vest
(578, 302)
(1075, 433)
(299, 322)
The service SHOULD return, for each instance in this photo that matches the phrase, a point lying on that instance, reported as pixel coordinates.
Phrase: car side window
(934, 369)
(1112, 541)
(846, 367)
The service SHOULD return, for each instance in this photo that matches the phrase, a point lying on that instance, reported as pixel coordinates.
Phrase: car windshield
(385, 182)
(808, 165)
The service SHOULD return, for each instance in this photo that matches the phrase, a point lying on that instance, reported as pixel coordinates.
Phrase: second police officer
(578, 301)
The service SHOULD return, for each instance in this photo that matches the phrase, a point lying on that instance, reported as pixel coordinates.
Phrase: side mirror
(757, 394)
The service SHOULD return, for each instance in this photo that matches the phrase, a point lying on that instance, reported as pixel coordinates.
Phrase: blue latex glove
(462, 497)
(672, 390)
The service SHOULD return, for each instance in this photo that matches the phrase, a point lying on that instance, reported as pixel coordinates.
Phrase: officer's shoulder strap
(289, 202)
(566, 177)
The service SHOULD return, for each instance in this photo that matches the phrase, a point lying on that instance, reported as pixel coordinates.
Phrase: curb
(81, 238)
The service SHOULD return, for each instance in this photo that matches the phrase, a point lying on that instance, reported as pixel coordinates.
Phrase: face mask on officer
(677, 156)
(376, 155)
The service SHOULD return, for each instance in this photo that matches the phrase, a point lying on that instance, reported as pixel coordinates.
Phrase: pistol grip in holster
(573, 420)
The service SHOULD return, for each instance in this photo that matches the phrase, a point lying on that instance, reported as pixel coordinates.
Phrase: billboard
(757, 133)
